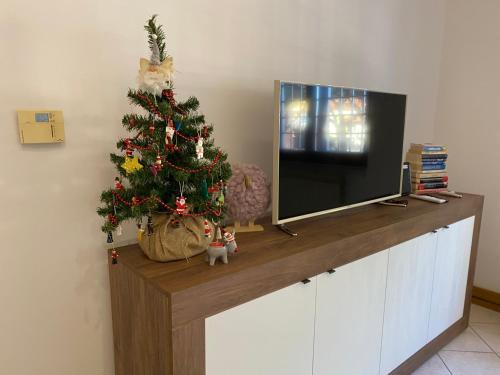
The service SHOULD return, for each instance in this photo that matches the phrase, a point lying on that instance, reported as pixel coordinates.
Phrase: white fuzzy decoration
(248, 193)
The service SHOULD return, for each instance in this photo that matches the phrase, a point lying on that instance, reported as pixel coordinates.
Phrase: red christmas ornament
(114, 256)
(151, 129)
(118, 184)
(112, 219)
(180, 204)
(135, 201)
(207, 229)
(213, 189)
(131, 121)
(158, 164)
(168, 94)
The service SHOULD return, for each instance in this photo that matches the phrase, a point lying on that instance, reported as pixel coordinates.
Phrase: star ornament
(131, 164)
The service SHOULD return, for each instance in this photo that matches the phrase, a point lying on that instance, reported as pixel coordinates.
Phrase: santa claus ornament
(180, 204)
(207, 229)
(155, 75)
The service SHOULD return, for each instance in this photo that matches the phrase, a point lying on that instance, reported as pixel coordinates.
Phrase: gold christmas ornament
(131, 164)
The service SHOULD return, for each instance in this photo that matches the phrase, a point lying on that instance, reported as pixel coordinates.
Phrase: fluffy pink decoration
(248, 193)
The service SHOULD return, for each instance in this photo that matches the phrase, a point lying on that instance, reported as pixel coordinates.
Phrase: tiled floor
(475, 352)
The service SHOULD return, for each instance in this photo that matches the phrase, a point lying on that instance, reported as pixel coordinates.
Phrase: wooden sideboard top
(270, 260)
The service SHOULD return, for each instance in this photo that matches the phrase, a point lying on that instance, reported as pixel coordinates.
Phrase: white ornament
(169, 131)
(199, 148)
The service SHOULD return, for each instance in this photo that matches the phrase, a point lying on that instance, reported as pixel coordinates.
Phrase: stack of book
(428, 168)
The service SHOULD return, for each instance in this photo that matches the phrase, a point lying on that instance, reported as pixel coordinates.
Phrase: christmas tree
(169, 164)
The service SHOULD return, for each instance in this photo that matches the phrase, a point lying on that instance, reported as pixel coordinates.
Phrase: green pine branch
(153, 31)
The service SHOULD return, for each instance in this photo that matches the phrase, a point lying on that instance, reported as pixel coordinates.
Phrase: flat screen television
(334, 148)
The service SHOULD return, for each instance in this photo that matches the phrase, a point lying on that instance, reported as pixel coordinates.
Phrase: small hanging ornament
(207, 229)
(119, 230)
(153, 170)
(180, 203)
(151, 128)
(169, 95)
(220, 199)
(199, 148)
(219, 234)
(131, 121)
(135, 201)
(140, 231)
(129, 151)
(150, 225)
(114, 256)
(169, 134)
(118, 184)
(204, 189)
(112, 219)
(158, 163)
(131, 165)
(110, 237)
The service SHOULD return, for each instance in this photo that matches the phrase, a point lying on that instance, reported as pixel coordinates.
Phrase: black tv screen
(337, 147)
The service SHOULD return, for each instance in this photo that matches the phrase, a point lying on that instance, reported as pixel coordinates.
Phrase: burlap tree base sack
(169, 242)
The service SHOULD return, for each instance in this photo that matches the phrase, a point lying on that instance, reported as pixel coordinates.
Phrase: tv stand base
(395, 202)
(287, 230)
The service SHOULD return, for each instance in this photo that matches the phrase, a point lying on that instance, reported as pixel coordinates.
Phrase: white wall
(80, 56)
(467, 117)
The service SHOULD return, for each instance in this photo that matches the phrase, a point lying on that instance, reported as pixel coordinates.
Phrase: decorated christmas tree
(169, 163)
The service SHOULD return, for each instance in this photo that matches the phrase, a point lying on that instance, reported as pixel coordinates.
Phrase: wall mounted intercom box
(40, 126)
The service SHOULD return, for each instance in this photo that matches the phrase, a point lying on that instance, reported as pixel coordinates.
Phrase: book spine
(427, 180)
(429, 167)
(432, 185)
(429, 191)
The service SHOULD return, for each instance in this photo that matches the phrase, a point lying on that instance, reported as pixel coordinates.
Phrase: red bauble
(112, 219)
(168, 94)
(118, 184)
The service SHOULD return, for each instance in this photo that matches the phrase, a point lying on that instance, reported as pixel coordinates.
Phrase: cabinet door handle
(331, 271)
(306, 281)
(435, 231)
(446, 227)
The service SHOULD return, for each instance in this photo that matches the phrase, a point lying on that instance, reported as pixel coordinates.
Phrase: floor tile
(434, 366)
(489, 333)
(480, 314)
(470, 363)
(468, 341)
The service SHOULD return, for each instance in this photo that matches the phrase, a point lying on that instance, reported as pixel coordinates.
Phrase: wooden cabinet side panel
(188, 349)
(142, 343)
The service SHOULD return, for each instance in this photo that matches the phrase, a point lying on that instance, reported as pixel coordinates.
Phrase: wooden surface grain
(271, 260)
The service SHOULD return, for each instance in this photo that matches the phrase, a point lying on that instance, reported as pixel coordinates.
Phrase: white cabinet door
(349, 316)
(272, 335)
(450, 277)
(408, 300)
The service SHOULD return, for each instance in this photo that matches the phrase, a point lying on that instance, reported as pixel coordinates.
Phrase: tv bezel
(276, 159)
